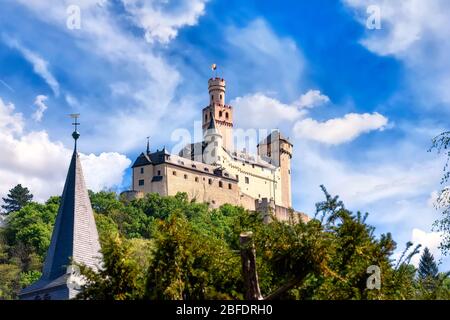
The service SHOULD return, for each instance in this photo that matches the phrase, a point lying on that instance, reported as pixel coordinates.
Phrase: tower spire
(148, 145)
(74, 239)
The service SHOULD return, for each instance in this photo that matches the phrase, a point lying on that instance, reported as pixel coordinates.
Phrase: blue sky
(360, 105)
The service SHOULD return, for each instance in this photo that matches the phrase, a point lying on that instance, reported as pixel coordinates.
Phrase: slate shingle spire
(74, 238)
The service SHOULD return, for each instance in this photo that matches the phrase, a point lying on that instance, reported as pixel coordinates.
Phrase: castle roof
(273, 136)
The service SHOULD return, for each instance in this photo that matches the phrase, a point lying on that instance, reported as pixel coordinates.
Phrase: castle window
(212, 97)
(230, 186)
(206, 117)
(220, 97)
(220, 114)
(289, 171)
(206, 169)
(196, 179)
(141, 182)
(159, 172)
(209, 181)
(185, 176)
(174, 173)
(247, 180)
(253, 165)
(220, 184)
(194, 166)
(142, 170)
(226, 115)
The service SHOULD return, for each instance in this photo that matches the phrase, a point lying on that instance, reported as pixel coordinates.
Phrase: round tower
(217, 109)
(216, 88)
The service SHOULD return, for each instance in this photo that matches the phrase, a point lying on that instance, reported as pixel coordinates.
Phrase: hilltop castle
(213, 172)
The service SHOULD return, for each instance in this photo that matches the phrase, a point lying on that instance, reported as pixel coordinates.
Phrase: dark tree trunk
(248, 257)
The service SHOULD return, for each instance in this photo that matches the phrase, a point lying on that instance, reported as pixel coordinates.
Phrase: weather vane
(75, 123)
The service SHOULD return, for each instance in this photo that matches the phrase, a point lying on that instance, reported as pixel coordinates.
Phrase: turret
(278, 151)
(217, 109)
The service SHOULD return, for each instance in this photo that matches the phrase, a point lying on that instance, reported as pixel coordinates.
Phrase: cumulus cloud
(34, 160)
(339, 130)
(261, 111)
(161, 20)
(270, 113)
(430, 240)
(311, 99)
(40, 105)
(40, 65)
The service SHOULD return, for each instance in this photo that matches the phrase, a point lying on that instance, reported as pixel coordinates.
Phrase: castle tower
(74, 239)
(278, 151)
(219, 111)
(214, 142)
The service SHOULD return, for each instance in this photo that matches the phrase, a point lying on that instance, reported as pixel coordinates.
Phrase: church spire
(74, 238)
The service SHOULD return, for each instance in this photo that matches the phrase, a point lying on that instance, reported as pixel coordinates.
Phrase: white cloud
(430, 240)
(105, 170)
(160, 20)
(39, 102)
(151, 80)
(416, 32)
(260, 111)
(270, 113)
(32, 159)
(254, 50)
(40, 65)
(311, 99)
(339, 130)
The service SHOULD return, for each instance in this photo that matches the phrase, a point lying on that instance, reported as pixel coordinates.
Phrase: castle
(213, 172)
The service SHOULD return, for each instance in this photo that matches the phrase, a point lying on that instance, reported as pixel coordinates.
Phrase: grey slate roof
(74, 235)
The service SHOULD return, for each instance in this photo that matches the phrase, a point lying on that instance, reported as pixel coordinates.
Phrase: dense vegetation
(171, 248)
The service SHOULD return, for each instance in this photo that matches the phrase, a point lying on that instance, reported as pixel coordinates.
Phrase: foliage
(441, 144)
(122, 275)
(188, 264)
(427, 266)
(172, 248)
(17, 198)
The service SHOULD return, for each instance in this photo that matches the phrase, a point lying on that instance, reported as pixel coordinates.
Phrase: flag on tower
(213, 66)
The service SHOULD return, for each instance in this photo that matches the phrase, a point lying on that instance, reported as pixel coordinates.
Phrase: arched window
(220, 114)
(226, 115)
(220, 97)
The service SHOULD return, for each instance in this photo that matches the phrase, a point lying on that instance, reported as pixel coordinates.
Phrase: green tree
(17, 198)
(122, 276)
(428, 268)
(188, 264)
